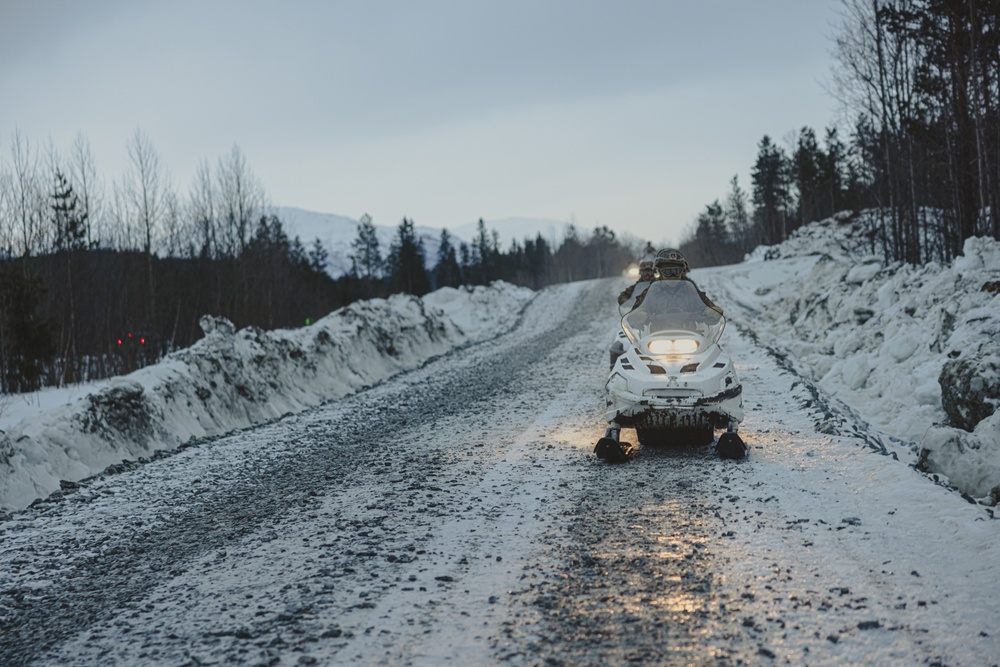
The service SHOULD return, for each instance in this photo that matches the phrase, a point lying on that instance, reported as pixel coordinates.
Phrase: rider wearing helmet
(647, 274)
(671, 265)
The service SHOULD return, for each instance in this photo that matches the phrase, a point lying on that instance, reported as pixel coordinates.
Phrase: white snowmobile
(673, 383)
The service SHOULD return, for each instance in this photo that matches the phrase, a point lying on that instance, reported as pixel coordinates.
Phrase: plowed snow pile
(914, 349)
(234, 379)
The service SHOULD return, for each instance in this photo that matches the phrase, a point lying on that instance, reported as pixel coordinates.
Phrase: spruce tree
(484, 255)
(834, 173)
(808, 163)
(447, 272)
(771, 196)
(406, 262)
(538, 255)
(712, 236)
(738, 216)
(366, 259)
(68, 218)
(319, 257)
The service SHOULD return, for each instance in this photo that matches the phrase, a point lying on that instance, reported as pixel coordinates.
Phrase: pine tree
(366, 259)
(406, 262)
(483, 256)
(602, 250)
(70, 225)
(569, 259)
(808, 163)
(447, 272)
(738, 216)
(68, 218)
(539, 258)
(319, 257)
(712, 236)
(833, 174)
(771, 198)
(297, 253)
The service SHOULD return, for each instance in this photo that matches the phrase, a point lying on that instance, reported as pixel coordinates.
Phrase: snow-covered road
(456, 515)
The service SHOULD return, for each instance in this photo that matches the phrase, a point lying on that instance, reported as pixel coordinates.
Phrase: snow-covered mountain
(337, 232)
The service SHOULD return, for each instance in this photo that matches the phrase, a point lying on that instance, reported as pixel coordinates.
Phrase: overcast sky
(629, 114)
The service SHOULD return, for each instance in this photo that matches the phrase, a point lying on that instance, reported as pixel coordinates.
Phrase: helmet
(670, 263)
(646, 269)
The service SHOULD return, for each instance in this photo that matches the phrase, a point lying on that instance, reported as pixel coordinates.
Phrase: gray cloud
(357, 90)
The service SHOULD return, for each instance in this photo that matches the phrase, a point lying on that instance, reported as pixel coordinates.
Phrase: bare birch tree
(176, 232)
(147, 193)
(6, 211)
(877, 80)
(922, 77)
(240, 199)
(121, 232)
(201, 208)
(27, 198)
(144, 187)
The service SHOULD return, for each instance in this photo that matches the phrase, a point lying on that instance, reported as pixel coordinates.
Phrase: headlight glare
(673, 346)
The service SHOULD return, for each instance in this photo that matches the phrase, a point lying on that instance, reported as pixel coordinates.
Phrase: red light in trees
(129, 334)
(119, 341)
(142, 341)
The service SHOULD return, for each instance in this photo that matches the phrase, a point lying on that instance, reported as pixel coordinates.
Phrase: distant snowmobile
(673, 383)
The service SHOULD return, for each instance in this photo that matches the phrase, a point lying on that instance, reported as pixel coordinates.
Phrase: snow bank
(970, 460)
(234, 379)
(881, 337)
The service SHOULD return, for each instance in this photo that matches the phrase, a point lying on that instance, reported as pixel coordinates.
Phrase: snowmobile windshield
(672, 319)
(637, 290)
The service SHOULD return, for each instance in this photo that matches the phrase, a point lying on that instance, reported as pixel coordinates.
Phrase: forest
(919, 84)
(99, 280)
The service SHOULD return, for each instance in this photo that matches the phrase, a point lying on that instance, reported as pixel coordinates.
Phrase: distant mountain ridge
(337, 232)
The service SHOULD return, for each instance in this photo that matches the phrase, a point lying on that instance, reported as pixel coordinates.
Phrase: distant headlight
(673, 346)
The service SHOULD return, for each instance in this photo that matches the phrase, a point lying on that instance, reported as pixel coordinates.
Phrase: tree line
(532, 262)
(920, 81)
(97, 280)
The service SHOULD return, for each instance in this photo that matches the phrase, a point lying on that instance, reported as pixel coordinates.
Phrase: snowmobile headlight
(671, 346)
